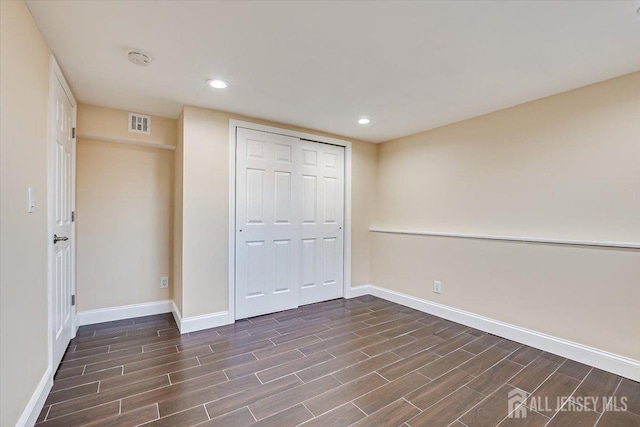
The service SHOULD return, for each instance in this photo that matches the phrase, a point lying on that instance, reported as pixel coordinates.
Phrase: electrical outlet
(437, 287)
(164, 282)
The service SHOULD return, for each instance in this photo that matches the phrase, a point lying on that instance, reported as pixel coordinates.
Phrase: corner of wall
(514, 173)
(136, 170)
(177, 215)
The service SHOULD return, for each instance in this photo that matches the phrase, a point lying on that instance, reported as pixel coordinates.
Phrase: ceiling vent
(139, 123)
(139, 57)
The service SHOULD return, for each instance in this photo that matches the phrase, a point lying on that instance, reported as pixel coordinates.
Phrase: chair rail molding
(596, 243)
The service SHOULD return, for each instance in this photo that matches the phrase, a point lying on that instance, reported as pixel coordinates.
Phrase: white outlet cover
(437, 287)
(31, 204)
(164, 282)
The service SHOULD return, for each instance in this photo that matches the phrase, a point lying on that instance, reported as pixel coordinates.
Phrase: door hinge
(73, 132)
(73, 216)
(73, 300)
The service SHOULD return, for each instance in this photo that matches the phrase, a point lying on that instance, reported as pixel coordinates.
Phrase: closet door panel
(268, 218)
(323, 213)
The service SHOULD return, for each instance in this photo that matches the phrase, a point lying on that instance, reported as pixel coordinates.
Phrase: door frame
(233, 126)
(55, 76)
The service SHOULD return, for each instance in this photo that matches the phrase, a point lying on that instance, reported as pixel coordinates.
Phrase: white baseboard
(36, 403)
(206, 321)
(198, 323)
(177, 316)
(89, 317)
(358, 291)
(185, 324)
(604, 360)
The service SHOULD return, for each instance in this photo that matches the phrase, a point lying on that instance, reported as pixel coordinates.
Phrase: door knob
(57, 239)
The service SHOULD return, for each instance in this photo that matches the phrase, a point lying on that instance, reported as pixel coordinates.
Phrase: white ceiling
(410, 66)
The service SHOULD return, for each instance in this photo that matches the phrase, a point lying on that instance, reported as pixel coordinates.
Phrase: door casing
(55, 76)
(233, 126)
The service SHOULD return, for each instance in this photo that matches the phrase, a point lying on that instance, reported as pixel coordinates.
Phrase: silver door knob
(57, 239)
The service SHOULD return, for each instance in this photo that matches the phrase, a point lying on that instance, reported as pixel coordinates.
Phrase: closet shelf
(128, 142)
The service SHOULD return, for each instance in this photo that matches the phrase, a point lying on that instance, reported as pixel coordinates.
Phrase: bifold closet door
(322, 247)
(268, 200)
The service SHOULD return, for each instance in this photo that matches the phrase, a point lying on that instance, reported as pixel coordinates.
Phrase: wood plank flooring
(360, 362)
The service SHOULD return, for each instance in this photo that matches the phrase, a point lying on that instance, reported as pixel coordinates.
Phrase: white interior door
(62, 175)
(267, 223)
(322, 172)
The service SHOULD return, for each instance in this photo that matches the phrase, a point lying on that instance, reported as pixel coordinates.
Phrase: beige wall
(124, 204)
(206, 208)
(24, 84)
(204, 214)
(364, 169)
(113, 123)
(565, 167)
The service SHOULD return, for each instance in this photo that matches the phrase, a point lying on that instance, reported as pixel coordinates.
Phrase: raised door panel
(309, 261)
(309, 199)
(255, 267)
(282, 198)
(255, 196)
(282, 265)
(329, 261)
(330, 203)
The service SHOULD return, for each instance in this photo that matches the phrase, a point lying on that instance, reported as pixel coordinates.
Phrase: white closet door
(322, 249)
(267, 223)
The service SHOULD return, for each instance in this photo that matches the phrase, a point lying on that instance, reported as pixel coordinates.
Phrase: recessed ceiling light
(364, 121)
(217, 84)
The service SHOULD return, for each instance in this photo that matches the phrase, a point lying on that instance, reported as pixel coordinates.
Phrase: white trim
(233, 125)
(205, 321)
(55, 68)
(610, 362)
(127, 142)
(231, 240)
(89, 317)
(74, 157)
(358, 291)
(626, 245)
(198, 323)
(36, 403)
(185, 324)
(280, 131)
(177, 316)
(346, 289)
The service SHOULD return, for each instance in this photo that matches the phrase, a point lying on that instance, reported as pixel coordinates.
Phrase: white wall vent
(139, 123)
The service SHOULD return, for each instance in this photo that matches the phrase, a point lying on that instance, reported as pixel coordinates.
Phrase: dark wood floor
(361, 362)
